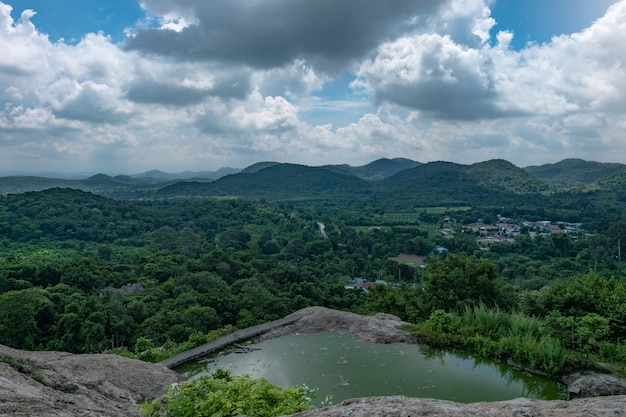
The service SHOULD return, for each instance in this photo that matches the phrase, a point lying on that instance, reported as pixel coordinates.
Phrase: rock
(61, 384)
(58, 384)
(593, 384)
(399, 406)
(381, 328)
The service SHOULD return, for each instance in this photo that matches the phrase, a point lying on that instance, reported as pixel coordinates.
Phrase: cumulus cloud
(229, 83)
(273, 33)
(438, 76)
(433, 74)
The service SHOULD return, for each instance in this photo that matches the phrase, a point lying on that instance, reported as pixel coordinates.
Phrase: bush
(223, 395)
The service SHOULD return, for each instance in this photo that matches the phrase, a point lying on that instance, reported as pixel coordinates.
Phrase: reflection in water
(342, 366)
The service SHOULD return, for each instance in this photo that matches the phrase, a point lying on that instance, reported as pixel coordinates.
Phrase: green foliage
(495, 333)
(459, 281)
(150, 278)
(223, 395)
(24, 317)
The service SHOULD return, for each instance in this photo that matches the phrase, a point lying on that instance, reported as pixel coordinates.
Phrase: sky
(125, 86)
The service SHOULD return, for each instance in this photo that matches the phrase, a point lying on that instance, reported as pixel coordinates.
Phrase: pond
(341, 366)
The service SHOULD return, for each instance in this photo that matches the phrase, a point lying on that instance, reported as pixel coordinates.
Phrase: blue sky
(120, 86)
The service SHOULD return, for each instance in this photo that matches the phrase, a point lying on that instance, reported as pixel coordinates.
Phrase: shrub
(224, 395)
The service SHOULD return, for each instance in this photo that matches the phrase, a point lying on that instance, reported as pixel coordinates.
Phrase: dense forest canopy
(148, 276)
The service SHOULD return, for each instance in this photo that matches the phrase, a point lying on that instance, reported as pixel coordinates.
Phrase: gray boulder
(59, 384)
(593, 384)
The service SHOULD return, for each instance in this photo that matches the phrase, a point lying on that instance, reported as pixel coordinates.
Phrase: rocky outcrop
(381, 328)
(522, 407)
(593, 384)
(61, 384)
(58, 384)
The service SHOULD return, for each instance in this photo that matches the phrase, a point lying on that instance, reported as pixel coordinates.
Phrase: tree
(599, 246)
(459, 280)
(18, 317)
(617, 232)
(591, 330)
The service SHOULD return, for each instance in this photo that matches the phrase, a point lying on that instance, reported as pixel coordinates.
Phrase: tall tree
(460, 280)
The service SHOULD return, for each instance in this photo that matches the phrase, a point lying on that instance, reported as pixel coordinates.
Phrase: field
(406, 218)
(413, 260)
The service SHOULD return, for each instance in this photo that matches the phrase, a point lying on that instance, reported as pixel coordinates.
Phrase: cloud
(229, 83)
(448, 80)
(274, 33)
(433, 74)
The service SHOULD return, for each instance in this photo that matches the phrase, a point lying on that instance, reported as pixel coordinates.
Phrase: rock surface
(381, 328)
(61, 384)
(522, 407)
(57, 384)
(593, 384)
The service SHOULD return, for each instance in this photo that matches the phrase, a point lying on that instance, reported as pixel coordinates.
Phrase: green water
(340, 365)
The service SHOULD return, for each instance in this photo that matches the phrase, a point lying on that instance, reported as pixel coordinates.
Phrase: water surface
(340, 365)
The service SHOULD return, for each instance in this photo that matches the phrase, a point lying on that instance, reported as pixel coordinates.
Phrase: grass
(493, 333)
(24, 367)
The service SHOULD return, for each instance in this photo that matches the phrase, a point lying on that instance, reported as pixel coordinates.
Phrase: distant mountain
(495, 182)
(275, 181)
(398, 182)
(258, 166)
(575, 172)
(614, 180)
(23, 184)
(501, 174)
(120, 186)
(424, 172)
(155, 174)
(431, 184)
(104, 181)
(376, 170)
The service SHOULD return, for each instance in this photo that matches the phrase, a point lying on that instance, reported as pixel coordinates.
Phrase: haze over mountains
(273, 180)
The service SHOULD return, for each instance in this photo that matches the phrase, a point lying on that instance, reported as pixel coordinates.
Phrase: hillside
(432, 184)
(501, 174)
(397, 182)
(376, 170)
(575, 172)
(120, 186)
(276, 182)
(186, 175)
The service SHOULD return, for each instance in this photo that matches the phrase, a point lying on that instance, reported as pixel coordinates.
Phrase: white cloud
(429, 85)
(433, 74)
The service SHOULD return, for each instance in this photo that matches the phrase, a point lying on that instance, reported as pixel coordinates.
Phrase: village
(505, 230)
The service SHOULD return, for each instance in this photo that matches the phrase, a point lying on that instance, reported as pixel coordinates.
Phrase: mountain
(431, 184)
(121, 186)
(575, 172)
(161, 176)
(376, 170)
(419, 174)
(495, 182)
(614, 180)
(275, 181)
(23, 184)
(398, 180)
(501, 174)
(258, 166)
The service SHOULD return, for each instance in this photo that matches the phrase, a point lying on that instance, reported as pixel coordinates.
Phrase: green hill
(575, 172)
(276, 182)
(503, 175)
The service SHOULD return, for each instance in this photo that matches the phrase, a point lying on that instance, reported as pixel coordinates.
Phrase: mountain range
(438, 181)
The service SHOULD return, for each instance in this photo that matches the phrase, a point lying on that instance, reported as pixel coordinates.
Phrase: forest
(150, 277)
